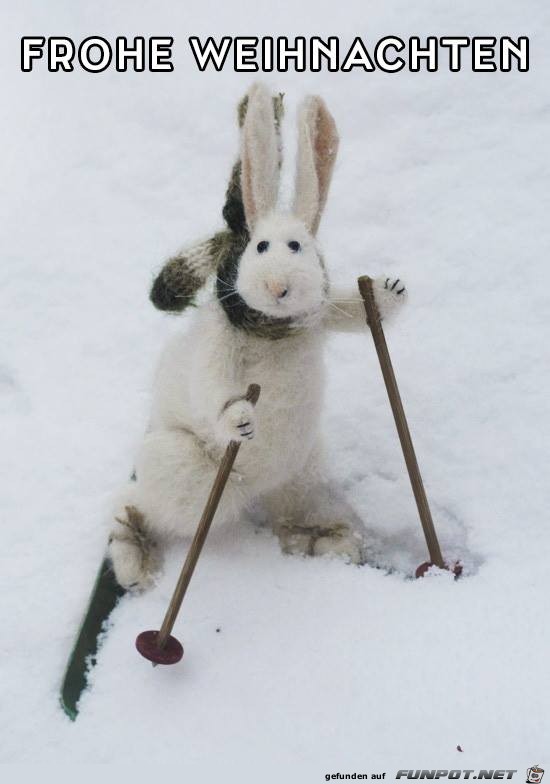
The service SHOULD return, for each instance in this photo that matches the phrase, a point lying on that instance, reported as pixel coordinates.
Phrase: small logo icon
(534, 774)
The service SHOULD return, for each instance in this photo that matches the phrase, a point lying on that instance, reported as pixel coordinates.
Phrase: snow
(318, 666)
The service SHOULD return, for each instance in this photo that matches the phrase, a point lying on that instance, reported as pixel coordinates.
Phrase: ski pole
(159, 646)
(365, 284)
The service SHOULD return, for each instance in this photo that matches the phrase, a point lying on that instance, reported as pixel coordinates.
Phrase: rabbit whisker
(226, 296)
(332, 305)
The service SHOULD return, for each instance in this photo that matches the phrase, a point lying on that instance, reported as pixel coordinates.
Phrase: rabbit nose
(278, 290)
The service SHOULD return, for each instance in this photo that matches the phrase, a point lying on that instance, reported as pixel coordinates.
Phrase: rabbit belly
(202, 369)
(287, 418)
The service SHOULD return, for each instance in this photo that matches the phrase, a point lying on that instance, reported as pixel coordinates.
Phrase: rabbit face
(280, 273)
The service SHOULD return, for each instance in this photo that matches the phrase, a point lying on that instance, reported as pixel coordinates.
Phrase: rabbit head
(269, 273)
(275, 279)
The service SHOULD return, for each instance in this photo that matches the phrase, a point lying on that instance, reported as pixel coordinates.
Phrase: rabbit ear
(317, 148)
(260, 156)
(233, 210)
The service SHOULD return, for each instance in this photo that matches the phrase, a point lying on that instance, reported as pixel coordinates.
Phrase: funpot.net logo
(492, 774)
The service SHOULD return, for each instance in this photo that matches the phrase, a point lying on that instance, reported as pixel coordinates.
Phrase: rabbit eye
(294, 246)
(262, 246)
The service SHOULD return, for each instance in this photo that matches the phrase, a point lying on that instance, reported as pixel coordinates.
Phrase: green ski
(105, 595)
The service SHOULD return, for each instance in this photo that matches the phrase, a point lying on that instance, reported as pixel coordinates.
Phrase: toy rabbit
(265, 323)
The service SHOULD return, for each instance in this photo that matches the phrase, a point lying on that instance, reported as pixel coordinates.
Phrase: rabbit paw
(342, 543)
(389, 294)
(236, 422)
(295, 541)
(339, 540)
(129, 568)
(132, 552)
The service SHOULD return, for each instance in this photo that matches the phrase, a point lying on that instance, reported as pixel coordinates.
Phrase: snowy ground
(319, 667)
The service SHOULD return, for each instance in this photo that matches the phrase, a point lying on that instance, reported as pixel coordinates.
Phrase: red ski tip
(171, 653)
(456, 569)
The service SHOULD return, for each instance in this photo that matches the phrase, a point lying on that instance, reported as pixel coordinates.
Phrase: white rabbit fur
(202, 377)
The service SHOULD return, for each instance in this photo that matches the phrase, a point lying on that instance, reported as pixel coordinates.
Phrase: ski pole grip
(365, 283)
(253, 393)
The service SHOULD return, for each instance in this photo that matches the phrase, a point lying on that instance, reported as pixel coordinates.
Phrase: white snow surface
(319, 667)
